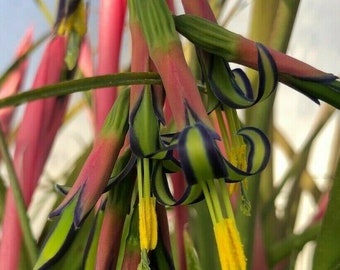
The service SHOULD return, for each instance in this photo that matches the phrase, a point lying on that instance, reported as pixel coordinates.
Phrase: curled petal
(259, 149)
(162, 191)
(233, 88)
(201, 159)
(199, 156)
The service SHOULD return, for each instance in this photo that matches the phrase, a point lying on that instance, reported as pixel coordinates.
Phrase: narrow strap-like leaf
(90, 253)
(80, 85)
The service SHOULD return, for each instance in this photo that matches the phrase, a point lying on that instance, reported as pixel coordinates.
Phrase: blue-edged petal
(60, 236)
(258, 149)
(161, 188)
(199, 156)
(123, 167)
(232, 87)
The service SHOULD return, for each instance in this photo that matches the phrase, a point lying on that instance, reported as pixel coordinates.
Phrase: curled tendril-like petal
(232, 87)
(160, 186)
(201, 159)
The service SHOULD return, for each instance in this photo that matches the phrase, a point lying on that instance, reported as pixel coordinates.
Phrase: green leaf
(80, 85)
(60, 236)
(90, 254)
(327, 253)
(73, 258)
(291, 243)
(192, 260)
(2, 198)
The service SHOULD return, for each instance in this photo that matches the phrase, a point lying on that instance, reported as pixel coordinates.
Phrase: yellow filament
(229, 245)
(147, 223)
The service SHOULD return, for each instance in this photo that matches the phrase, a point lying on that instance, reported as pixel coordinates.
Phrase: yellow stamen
(238, 156)
(147, 223)
(232, 188)
(229, 245)
(75, 22)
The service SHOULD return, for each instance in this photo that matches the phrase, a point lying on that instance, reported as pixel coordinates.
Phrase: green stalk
(294, 242)
(28, 237)
(326, 254)
(269, 13)
(226, 199)
(209, 202)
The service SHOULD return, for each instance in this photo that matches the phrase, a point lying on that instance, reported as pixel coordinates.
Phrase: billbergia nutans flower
(167, 135)
(306, 79)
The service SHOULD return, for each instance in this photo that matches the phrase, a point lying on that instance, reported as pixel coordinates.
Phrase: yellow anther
(238, 156)
(229, 245)
(147, 223)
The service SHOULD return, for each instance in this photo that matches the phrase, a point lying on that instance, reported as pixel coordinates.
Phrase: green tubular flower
(216, 40)
(200, 158)
(59, 237)
(202, 163)
(144, 125)
(166, 53)
(213, 38)
(157, 23)
(205, 160)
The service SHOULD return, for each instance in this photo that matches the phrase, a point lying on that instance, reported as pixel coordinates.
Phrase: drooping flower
(203, 164)
(217, 40)
(166, 53)
(90, 183)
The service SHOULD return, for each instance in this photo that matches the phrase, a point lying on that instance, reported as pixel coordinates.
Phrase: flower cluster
(164, 145)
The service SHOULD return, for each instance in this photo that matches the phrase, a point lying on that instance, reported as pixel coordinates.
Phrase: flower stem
(146, 183)
(215, 200)
(226, 200)
(209, 202)
(224, 132)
